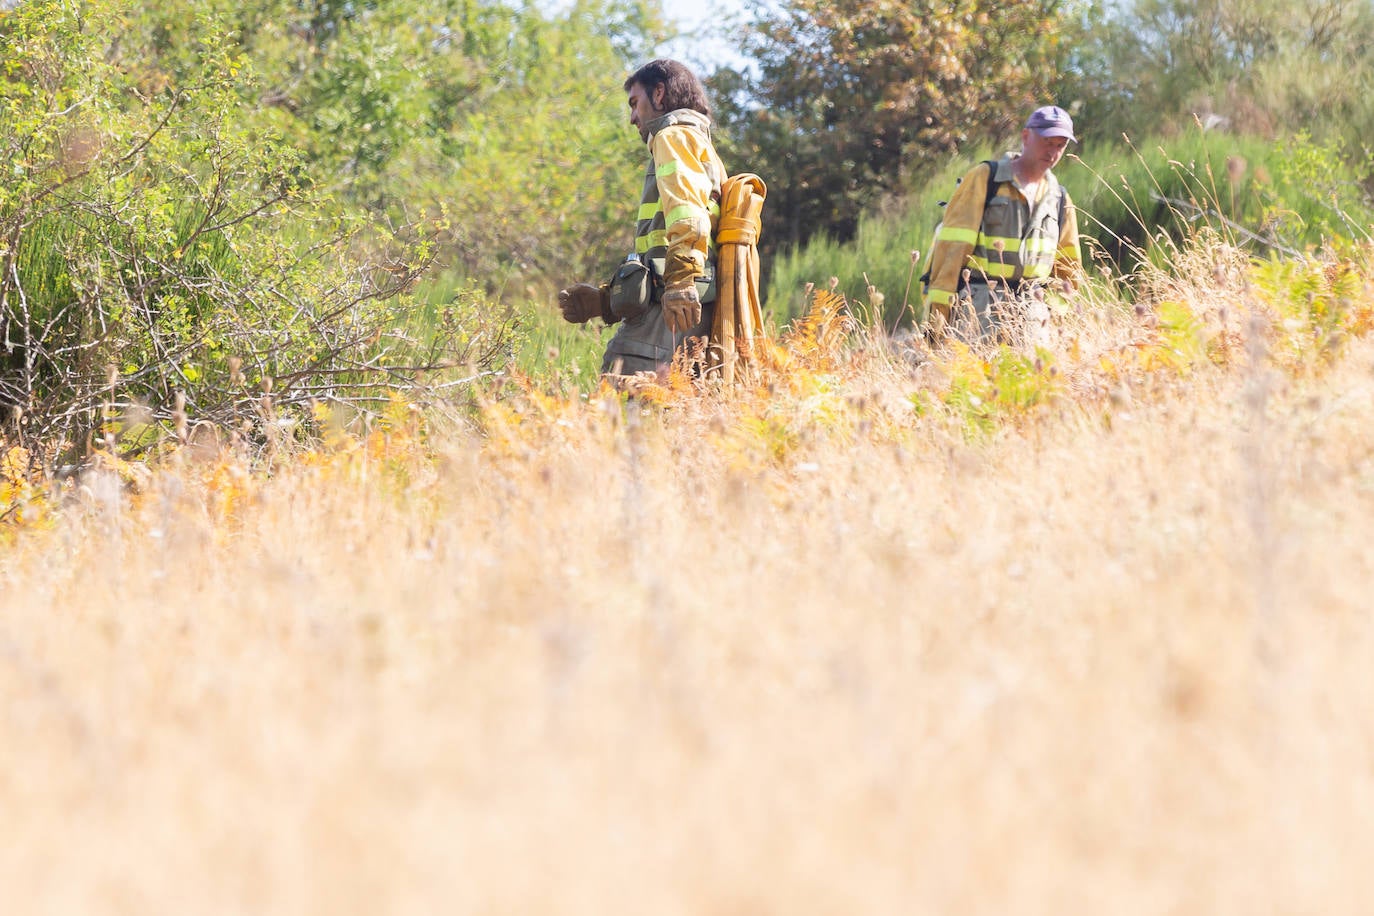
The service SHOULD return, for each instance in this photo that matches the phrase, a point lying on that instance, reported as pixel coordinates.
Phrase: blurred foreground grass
(879, 632)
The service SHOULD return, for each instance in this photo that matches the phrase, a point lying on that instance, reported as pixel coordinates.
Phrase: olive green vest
(1018, 241)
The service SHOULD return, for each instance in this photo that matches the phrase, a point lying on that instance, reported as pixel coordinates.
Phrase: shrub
(168, 258)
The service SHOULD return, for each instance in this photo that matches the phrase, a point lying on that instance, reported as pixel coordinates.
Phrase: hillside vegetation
(883, 629)
(334, 580)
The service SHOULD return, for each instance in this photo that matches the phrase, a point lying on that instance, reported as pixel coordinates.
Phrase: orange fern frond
(819, 336)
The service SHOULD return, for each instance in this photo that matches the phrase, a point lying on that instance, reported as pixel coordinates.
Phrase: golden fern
(817, 339)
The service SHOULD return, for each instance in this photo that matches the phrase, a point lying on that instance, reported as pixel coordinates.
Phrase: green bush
(1282, 197)
(166, 256)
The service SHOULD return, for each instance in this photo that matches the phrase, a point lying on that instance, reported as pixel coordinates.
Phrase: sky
(706, 48)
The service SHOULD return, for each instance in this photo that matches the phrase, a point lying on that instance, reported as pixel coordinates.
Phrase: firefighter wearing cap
(994, 249)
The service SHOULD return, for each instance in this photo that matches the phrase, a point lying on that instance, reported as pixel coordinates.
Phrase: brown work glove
(582, 302)
(681, 309)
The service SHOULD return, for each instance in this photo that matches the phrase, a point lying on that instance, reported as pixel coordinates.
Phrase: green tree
(506, 118)
(1264, 67)
(538, 165)
(856, 99)
(165, 254)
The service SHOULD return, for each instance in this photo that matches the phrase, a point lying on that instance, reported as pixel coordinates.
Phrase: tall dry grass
(821, 646)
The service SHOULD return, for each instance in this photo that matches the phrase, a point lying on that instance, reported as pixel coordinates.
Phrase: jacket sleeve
(956, 237)
(1068, 259)
(683, 163)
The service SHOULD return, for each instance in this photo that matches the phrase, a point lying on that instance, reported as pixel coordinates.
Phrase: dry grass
(804, 651)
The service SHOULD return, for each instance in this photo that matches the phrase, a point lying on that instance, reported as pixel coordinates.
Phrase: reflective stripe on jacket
(677, 218)
(1008, 240)
(680, 206)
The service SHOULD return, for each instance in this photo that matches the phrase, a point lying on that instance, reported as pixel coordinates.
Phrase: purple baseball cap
(1051, 121)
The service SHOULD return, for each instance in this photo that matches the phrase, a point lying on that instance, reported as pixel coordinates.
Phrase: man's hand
(582, 302)
(682, 309)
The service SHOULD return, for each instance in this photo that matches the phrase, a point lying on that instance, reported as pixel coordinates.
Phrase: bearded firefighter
(662, 296)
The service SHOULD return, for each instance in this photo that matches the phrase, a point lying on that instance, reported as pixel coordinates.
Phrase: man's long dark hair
(681, 88)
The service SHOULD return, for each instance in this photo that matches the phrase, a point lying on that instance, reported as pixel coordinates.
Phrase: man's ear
(660, 91)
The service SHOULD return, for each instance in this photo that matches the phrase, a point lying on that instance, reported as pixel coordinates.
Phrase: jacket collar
(1005, 173)
(681, 116)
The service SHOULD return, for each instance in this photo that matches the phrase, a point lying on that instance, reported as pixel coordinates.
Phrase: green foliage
(561, 354)
(985, 393)
(504, 123)
(164, 254)
(209, 198)
(1320, 305)
(1282, 196)
(1267, 67)
(852, 98)
(542, 345)
(1182, 336)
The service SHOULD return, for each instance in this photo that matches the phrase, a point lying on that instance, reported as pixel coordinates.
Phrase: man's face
(644, 107)
(1042, 153)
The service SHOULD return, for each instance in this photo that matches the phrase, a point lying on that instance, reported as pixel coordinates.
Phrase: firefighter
(1008, 231)
(662, 295)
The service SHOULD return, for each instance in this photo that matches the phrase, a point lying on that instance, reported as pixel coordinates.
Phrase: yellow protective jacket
(678, 213)
(1038, 240)
(680, 206)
